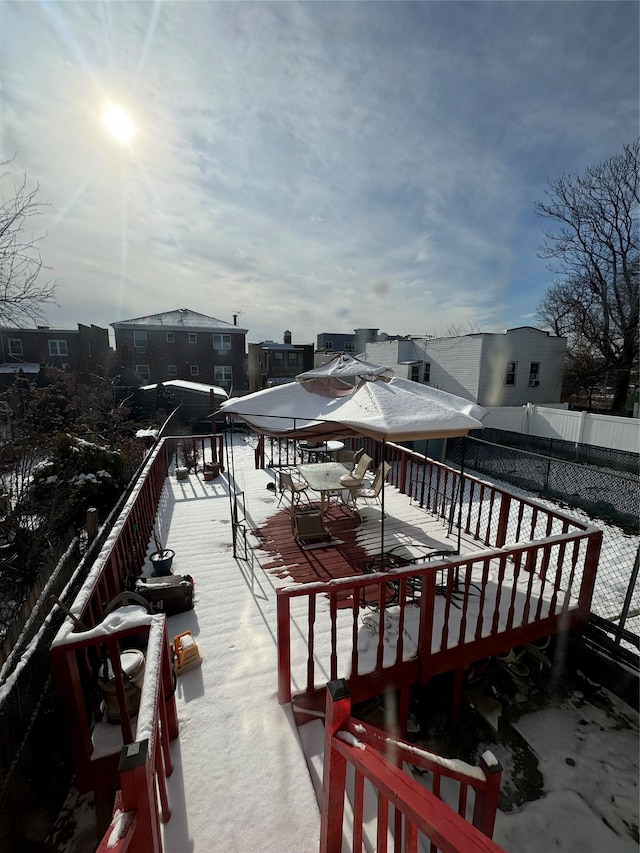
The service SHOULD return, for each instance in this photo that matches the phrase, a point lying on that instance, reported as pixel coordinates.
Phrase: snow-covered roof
(25, 367)
(184, 385)
(181, 318)
(271, 345)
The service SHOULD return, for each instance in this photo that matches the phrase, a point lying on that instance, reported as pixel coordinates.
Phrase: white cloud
(317, 166)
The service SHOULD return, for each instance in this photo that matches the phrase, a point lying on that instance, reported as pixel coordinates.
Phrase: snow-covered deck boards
(248, 787)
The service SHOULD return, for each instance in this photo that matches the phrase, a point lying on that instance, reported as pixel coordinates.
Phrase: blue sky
(314, 166)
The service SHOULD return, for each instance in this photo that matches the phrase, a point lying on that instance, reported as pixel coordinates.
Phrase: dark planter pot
(211, 471)
(162, 561)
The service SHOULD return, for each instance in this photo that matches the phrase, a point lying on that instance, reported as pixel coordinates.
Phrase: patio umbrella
(323, 403)
(386, 410)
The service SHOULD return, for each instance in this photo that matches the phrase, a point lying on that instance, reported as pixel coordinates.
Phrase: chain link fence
(570, 451)
(608, 499)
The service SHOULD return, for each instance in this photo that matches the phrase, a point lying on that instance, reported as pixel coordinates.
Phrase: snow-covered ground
(240, 780)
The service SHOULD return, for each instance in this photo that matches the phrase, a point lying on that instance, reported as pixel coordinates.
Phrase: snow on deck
(240, 780)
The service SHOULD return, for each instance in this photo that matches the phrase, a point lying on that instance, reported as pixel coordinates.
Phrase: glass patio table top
(324, 477)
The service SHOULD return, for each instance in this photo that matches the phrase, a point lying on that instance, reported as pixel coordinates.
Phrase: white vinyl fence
(581, 427)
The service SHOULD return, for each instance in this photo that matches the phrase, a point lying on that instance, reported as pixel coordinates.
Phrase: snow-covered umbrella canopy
(337, 377)
(322, 404)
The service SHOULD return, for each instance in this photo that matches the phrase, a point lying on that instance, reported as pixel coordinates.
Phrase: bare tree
(22, 296)
(594, 253)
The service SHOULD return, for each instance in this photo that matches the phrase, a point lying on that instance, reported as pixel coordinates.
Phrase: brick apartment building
(84, 348)
(182, 344)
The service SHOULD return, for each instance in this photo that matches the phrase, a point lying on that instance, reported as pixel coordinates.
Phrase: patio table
(324, 477)
(324, 450)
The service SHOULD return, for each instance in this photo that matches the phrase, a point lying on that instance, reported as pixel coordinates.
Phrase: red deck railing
(85, 641)
(141, 800)
(365, 765)
(77, 660)
(459, 610)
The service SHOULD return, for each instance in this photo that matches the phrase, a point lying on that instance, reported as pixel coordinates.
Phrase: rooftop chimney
(287, 337)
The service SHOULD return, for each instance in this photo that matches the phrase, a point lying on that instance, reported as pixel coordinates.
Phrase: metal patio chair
(373, 493)
(295, 488)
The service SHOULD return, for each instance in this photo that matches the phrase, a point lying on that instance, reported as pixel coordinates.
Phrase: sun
(118, 123)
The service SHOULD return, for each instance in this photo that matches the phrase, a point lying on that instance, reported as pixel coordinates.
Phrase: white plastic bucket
(132, 664)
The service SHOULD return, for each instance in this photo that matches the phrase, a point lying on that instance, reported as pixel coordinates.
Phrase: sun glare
(118, 123)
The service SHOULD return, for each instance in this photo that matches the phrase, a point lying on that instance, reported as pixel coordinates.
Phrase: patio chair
(362, 466)
(295, 488)
(308, 528)
(373, 493)
(347, 457)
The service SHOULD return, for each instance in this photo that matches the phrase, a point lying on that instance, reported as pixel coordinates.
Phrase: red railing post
(402, 485)
(486, 805)
(138, 796)
(283, 627)
(594, 544)
(503, 518)
(334, 772)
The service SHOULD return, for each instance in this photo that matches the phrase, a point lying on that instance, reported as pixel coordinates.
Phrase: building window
(171, 337)
(222, 374)
(427, 373)
(415, 373)
(534, 374)
(142, 372)
(512, 366)
(140, 341)
(15, 346)
(58, 348)
(292, 359)
(195, 370)
(350, 346)
(193, 338)
(278, 359)
(328, 345)
(173, 370)
(222, 342)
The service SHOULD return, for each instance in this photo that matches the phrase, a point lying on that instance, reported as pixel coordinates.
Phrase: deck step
(489, 708)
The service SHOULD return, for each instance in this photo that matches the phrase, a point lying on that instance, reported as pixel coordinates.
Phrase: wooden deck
(343, 559)
(355, 547)
(515, 572)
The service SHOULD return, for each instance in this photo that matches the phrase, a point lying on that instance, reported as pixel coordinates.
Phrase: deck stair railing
(389, 808)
